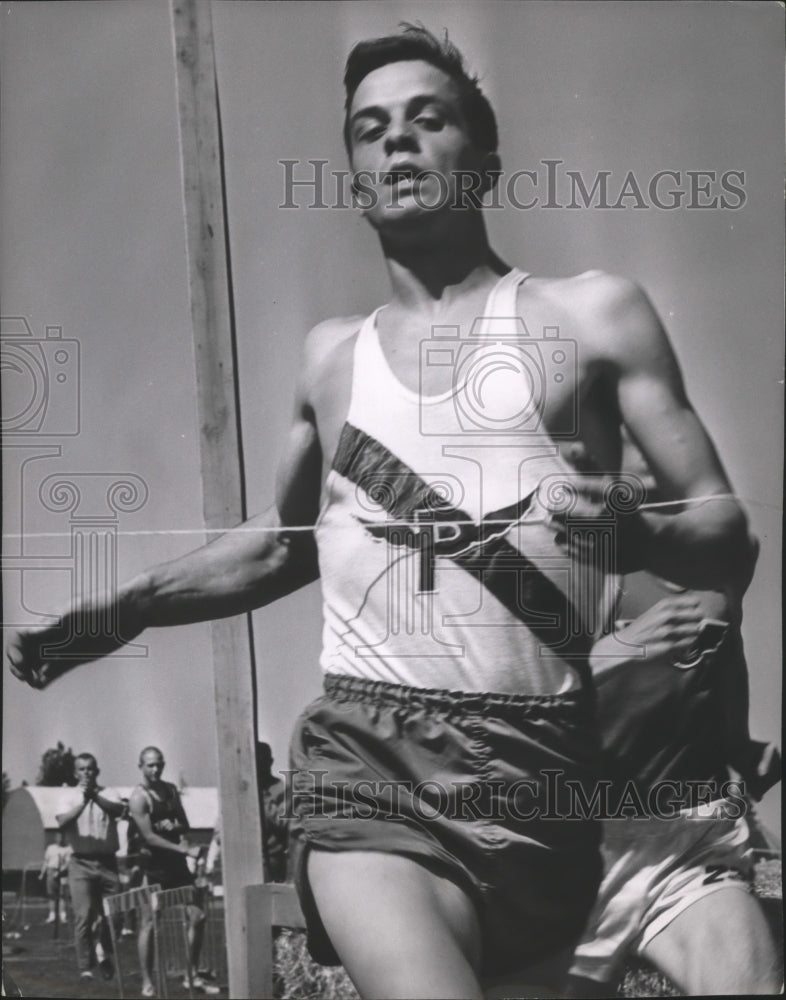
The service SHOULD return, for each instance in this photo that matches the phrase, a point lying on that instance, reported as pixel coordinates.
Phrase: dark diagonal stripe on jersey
(385, 479)
(517, 583)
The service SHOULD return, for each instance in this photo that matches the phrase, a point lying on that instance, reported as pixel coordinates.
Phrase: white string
(248, 529)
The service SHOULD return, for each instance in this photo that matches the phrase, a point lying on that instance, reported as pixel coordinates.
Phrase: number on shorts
(714, 873)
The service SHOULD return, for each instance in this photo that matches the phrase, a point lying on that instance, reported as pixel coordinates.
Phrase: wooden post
(270, 906)
(209, 279)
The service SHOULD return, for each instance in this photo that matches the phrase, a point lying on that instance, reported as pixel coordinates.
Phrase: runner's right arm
(239, 571)
(246, 568)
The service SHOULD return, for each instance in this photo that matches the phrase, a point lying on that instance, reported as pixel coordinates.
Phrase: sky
(92, 247)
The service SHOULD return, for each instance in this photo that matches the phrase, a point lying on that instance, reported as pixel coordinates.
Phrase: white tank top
(437, 555)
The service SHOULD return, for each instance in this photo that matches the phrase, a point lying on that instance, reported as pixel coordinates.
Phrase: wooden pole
(209, 278)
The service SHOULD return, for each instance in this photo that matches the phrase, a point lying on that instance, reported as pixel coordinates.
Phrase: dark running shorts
(171, 872)
(472, 786)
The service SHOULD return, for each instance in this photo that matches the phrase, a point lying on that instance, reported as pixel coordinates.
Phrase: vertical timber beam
(209, 279)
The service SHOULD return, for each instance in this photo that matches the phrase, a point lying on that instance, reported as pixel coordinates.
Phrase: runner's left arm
(706, 544)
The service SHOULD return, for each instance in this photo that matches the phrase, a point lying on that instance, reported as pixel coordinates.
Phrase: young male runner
(677, 856)
(673, 715)
(157, 813)
(431, 448)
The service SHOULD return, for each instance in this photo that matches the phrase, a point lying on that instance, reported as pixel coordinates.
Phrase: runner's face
(406, 119)
(152, 766)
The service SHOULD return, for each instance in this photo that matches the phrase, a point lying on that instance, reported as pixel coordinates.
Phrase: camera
(502, 379)
(40, 380)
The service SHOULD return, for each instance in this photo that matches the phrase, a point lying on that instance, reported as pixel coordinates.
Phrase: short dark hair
(149, 750)
(86, 756)
(416, 42)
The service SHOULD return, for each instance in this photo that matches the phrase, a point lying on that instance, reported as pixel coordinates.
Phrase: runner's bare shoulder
(609, 313)
(328, 349)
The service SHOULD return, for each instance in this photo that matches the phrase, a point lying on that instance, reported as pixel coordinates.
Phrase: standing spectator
(89, 827)
(160, 823)
(131, 875)
(275, 825)
(213, 856)
(53, 868)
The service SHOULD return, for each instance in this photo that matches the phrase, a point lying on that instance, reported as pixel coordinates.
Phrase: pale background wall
(92, 241)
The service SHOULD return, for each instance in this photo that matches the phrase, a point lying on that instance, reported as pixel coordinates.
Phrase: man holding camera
(89, 826)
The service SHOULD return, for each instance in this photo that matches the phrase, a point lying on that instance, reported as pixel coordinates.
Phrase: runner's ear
(490, 171)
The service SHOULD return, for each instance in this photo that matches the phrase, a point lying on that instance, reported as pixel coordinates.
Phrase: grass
(298, 978)
(45, 966)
